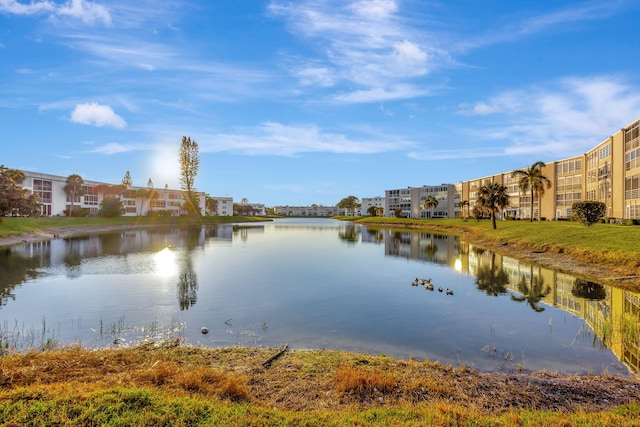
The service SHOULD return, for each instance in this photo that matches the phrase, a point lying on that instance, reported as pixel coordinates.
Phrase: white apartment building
(224, 206)
(367, 202)
(137, 201)
(313, 210)
(410, 201)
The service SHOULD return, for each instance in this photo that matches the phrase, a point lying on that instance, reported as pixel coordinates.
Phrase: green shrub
(589, 213)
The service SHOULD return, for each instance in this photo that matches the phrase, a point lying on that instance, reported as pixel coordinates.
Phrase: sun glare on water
(165, 262)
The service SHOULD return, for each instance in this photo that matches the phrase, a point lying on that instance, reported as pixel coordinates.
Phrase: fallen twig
(275, 356)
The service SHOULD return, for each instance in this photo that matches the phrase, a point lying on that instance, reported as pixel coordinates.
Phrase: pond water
(314, 284)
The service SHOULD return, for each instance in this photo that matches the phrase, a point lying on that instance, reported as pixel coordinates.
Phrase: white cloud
(272, 138)
(558, 20)
(365, 43)
(86, 11)
(381, 94)
(561, 118)
(112, 148)
(97, 115)
(16, 8)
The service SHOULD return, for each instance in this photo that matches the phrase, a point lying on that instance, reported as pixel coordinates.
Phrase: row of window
(568, 199)
(568, 166)
(632, 159)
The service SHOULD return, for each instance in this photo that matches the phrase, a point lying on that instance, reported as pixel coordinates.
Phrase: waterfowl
(204, 330)
(439, 288)
(449, 291)
(415, 282)
(429, 286)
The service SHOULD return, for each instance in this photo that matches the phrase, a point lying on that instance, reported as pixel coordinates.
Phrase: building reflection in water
(612, 313)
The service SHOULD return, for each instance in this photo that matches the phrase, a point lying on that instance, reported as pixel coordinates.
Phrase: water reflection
(311, 287)
(532, 291)
(612, 313)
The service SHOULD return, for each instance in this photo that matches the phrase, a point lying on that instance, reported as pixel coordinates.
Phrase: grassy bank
(612, 246)
(169, 384)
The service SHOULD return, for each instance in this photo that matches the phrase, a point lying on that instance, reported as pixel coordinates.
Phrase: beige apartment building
(608, 173)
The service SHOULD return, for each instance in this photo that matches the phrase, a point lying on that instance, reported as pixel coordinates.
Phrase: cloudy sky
(310, 101)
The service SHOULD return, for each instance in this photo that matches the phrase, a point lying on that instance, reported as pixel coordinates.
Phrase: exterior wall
(444, 194)
(225, 206)
(135, 199)
(631, 168)
(568, 186)
(368, 202)
(398, 199)
(410, 201)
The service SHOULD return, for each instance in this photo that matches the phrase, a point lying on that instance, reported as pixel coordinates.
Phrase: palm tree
(430, 202)
(531, 179)
(461, 204)
(492, 198)
(73, 189)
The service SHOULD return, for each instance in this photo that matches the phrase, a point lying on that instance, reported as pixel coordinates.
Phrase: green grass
(123, 406)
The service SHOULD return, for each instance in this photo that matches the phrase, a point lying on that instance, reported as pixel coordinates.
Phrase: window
(43, 189)
(605, 151)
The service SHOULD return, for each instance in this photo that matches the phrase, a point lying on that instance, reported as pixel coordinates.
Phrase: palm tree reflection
(491, 279)
(532, 292)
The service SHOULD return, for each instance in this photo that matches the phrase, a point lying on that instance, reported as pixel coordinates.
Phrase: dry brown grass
(310, 380)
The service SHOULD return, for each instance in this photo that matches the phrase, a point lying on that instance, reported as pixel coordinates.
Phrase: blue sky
(310, 101)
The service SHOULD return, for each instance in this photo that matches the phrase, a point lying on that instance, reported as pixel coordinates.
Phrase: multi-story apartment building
(368, 202)
(410, 201)
(609, 173)
(135, 200)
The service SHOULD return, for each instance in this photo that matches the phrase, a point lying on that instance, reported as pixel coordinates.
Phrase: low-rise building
(136, 201)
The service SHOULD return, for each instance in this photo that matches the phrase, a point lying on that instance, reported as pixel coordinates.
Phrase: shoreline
(601, 273)
(595, 272)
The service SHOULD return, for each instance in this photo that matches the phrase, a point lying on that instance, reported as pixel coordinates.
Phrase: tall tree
(532, 180)
(126, 180)
(350, 203)
(211, 205)
(430, 202)
(492, 198)
(73, 190)
(14, 198)
(189, 164)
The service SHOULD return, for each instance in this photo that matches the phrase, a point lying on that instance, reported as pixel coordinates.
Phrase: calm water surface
(313, 283)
